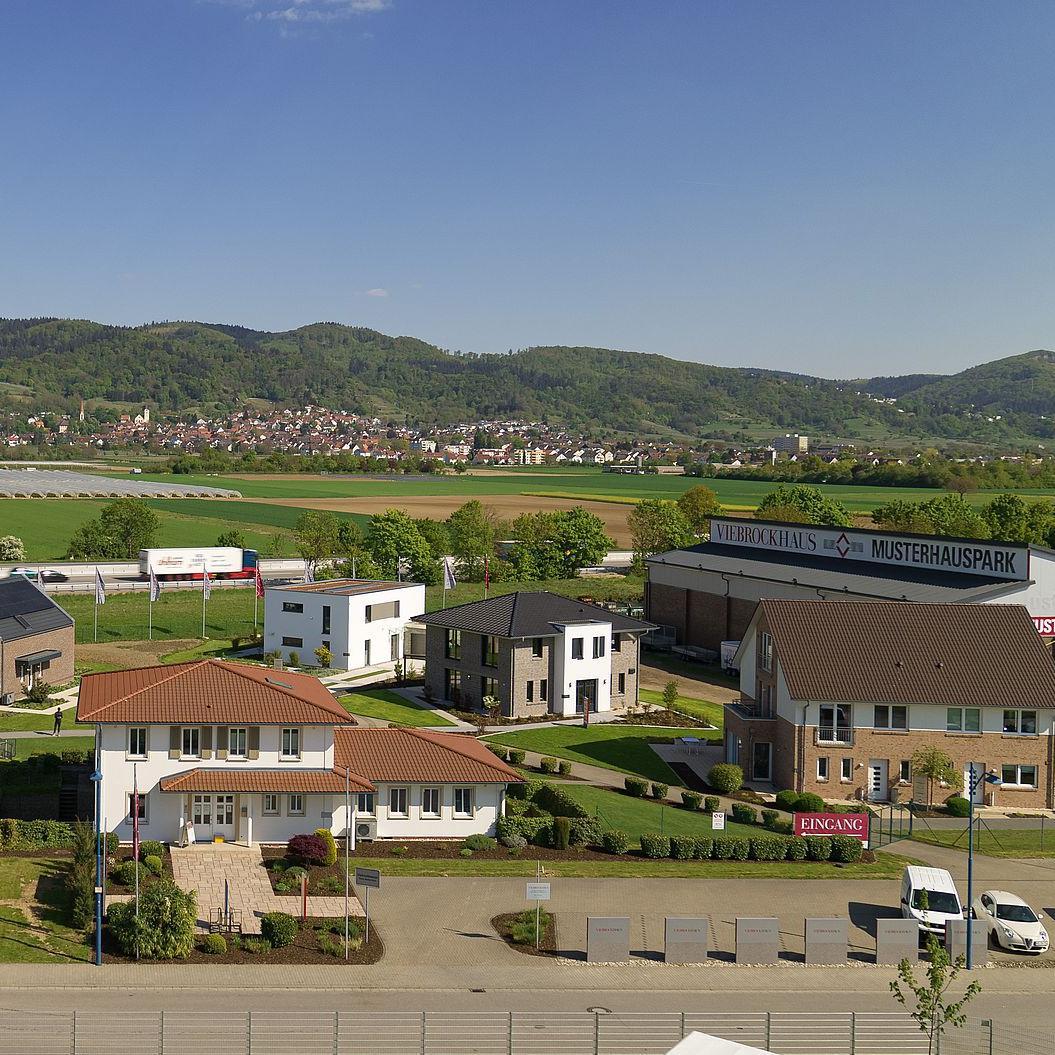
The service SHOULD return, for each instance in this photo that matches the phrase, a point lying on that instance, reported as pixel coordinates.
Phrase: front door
(586, 696)
(213, 815)
(878, 780)
(761, 760)
(977, 793)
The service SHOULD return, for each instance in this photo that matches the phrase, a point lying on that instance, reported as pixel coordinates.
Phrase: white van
(943, 901)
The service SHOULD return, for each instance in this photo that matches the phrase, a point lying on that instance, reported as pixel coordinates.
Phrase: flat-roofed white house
(230, 751)
(361, 621)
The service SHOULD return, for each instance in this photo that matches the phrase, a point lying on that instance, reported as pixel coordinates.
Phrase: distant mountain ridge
(182, 366)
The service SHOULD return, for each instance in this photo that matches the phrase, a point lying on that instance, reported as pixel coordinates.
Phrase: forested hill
(180, 367)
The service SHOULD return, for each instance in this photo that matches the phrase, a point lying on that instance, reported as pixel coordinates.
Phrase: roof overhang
(261, 781)
(44, 656)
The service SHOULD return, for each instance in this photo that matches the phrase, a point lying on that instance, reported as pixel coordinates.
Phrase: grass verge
(1005, 842)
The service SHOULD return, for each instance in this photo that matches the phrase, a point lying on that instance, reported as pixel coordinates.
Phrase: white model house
(360, 621)
(238, 752)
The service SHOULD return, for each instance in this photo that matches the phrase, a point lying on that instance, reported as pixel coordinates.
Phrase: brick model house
(836, 696)
(536, 653)
(36, 639)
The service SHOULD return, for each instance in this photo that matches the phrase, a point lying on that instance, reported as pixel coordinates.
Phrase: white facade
(360, 626)
(582, 668)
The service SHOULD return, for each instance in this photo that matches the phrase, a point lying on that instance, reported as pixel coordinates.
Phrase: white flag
(309, 572)
(155, 586)
(205, 588)
(449, 581)
(100, 588)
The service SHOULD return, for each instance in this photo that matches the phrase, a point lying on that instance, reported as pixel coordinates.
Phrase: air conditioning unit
(366, 830)
(8, 699)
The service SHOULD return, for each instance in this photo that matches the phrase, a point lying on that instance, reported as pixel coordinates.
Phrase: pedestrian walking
(58, 723)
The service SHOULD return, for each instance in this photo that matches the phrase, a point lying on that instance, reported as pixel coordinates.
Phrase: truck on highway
(188, 562)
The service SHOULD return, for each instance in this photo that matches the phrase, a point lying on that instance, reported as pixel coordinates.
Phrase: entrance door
(878, 780)
(586, 696)
(979, 784)
(213, 815)
(762, 761)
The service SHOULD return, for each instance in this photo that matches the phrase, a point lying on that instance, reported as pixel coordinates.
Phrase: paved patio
(205, 868)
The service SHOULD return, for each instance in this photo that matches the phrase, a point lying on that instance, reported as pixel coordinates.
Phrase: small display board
(686, 939)
(897, 940)
(607, 939)
(826, 939)
(538, 891)
(757, 939)
(718, 821)
(368, 877)
(956, 940)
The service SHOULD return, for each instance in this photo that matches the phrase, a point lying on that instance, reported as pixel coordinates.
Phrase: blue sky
(839, 188)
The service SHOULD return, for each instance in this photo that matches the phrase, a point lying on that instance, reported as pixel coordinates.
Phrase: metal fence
(189, 1032)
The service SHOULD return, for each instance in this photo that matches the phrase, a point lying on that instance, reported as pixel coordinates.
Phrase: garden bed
(508, 922)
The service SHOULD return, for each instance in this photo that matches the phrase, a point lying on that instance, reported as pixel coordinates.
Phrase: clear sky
(830, 187)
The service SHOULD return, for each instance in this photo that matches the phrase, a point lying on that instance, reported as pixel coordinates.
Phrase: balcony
(826, 734)
(750, 709)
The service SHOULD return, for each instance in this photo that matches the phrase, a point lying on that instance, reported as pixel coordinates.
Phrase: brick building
(835, 698)
(36, 639)
(536, 653)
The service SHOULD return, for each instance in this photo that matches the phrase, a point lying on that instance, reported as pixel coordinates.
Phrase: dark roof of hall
(527, 614)
(835, 575)
(26, 610)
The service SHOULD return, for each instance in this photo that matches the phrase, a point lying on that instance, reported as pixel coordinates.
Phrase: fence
(189, 1032)
(888, 825)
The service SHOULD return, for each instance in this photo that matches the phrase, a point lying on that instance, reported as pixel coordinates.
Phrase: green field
(47, 937)
(1002, 842)
(703, 710)
(390, 707)
(26, 746)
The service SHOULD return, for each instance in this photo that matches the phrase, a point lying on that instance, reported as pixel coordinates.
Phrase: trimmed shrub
(711, 803)
(957, 806)
(534, 829)
(818, 847)
(164, 929)
(564, 767)
(125, 873)
(499, 749)
(846, 849)
(556, 800)
(278, 929)
(744, 814)
(480, 842)
(787, 800)
(514, 842)
(769, 818)
(561, 833)
(150, 848)
(465, 852)
(660, 791)
(154, 864)
(732, 849)
(331, 845)
(704, 848)
(683, 847)
(655, 845)
(516, 807)
(691, 800)
(614, 841)
(527, 790)
(797, 848)
(769, 848)
(636, 787)
(586, 831)
(549, 765)
(516, 757)
(725, 777)
(75, 758)
(214, 944)
(782, 827)
(308, 849)
(810, 803)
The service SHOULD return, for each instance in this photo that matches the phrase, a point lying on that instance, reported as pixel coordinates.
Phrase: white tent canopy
(705, 1044)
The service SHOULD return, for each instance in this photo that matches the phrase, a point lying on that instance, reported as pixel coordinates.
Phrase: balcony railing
(745, 707)
(826, 734)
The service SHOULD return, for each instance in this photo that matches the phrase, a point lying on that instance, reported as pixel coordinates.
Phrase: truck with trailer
(190, 563)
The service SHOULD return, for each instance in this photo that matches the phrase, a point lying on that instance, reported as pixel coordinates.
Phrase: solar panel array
(60, 483)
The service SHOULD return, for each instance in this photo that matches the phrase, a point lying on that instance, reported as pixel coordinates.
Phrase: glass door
(761, 761)
(586, 696)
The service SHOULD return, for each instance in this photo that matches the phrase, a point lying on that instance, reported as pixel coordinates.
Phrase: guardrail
(189, 1031)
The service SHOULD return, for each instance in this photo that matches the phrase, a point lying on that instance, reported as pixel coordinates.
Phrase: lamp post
(974, 780)
(97, 780)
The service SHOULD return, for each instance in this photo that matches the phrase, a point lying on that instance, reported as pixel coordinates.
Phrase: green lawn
(623, 748)
(46, 938)
(635, 816)
(704, 710)
(34, 721)
(1014, 842)
(26, 746)
(390, 707)
(609, 588)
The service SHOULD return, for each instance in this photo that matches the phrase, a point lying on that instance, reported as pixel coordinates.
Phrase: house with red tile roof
(239, 753)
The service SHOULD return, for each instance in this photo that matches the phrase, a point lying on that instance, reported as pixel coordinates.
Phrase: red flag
(259, 583)
(135, 815)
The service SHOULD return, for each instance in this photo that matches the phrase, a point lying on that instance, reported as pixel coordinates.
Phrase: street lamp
(97, 780)
(975, 778)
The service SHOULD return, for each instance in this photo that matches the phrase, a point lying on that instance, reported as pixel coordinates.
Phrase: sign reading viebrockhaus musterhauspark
(853, 824)
(969, 557)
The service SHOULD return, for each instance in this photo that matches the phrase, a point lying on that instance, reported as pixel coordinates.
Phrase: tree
(811, 502)
(948, 514)
(670, 695)
(122, 529)
(927, 999)
(699, 504)
(472, 530)
(394, 537)
(657, 525)
(555, 545)
(1011, 519)
(234, 538)
(12, 548)
(436, 534)
(324, 656)
(163, 929)
(935, 765)
(315, 536)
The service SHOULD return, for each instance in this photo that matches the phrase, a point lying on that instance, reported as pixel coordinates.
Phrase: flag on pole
(309, 572)
(155, 586)
(449, 581)
(259, 583)
(206, 589)
(135, 814)
(100, 588)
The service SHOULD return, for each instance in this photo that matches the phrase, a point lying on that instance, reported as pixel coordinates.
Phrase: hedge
(846, 849)
(535, 829)
(683, 847)
(818, 847)
(711, 803)
(787, 800)
(660, 791)
(769, 848)
(636, 787)
(527, 790)
(691, 800)
(548, 765)
(655, 845)
(797, 848)
(556, 800)
(744, 814)
(614, 841)
(40, 835)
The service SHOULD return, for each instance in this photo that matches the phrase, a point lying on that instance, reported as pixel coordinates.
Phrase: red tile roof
(255, 781)
(417, 756)
(208, 691)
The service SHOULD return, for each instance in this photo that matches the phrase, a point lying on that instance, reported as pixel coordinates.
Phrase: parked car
(1012, 924)
(935, 887)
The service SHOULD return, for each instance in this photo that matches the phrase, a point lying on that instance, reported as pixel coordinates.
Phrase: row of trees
(1005, 518)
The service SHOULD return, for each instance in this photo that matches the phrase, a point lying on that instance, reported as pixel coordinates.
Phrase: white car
(1011, 923)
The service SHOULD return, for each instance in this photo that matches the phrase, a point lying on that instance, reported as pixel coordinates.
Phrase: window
(395, 609)
(963, 720)
(822, 768)
(452, 688)
(488, 687)
(621, 684)
(293, 642)
(290, 743)
(576, 648)
(325, 618)
(463, 802)
(270, 804)
(543, 690)
(393, 647)
(137, 742)
(295, 607)
(598, 647)
(296, 806)
(536, 647)
(890, 717)
(368, 613)
(617, 643)
(765, 699)
(530, 692)
(904, 772)
(364, 803)
(397, 802)
(489, 650)
(202, 809)
(366, 653)
(846, 771)
(836, 725)
(191, 747)
(430, 802)
(765, 651)
(1022, 722)
(142, 808)
(237, 742)
(1019, 776)
(454, 644)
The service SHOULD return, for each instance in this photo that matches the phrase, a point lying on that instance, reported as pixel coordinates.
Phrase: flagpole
(204, 587)
(135, 843)
(150, 612)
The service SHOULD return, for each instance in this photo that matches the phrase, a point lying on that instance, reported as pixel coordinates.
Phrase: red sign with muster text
(853, 824)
